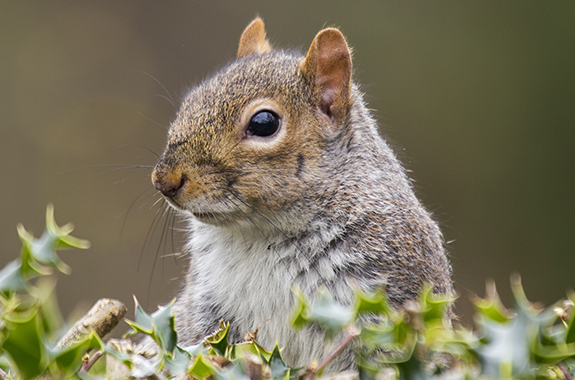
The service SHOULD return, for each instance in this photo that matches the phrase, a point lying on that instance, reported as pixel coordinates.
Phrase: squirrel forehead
(219, 100)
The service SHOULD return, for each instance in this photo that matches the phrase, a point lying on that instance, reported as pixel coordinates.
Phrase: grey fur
(332, 207)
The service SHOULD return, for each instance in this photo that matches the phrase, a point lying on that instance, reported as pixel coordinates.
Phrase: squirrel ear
(328, 65)
(253, 39)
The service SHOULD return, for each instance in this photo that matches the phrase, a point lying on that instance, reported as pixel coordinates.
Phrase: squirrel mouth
(216, 218)
(174, 204)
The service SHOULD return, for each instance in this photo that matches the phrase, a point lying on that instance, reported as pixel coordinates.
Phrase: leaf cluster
(417, 342)
(215, 357)
(30, 321)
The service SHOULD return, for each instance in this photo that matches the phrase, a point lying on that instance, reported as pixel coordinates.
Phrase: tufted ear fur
(253, 39)
(328, 65)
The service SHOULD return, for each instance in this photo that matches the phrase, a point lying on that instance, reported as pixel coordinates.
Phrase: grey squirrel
(277, 165)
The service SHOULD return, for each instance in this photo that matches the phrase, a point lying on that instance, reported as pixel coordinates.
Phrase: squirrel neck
(362, 176)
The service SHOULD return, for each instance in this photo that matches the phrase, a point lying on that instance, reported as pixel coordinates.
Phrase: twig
(565, 371)
(351, 333)
(87, 364)
(4, 375)
(102, 318)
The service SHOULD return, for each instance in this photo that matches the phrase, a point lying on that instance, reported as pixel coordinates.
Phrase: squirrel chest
(278, 167)
(248, 282)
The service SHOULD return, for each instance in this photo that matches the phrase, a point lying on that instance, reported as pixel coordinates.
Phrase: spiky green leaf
(67, 360)
(201, 368)
(219, 340)
(24, 343)
(10, 277)
(570, 328)
(332, 316)
(375, 303)
(279, 369)
(491, 306)
(177, 364)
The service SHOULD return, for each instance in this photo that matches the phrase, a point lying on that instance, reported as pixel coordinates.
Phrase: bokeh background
(478, 99)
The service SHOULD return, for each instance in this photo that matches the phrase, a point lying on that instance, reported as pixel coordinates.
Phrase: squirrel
(277, 165)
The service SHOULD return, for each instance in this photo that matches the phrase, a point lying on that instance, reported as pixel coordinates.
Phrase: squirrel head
(256, 139)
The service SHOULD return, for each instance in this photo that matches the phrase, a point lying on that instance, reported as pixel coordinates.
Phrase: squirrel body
(279, 168)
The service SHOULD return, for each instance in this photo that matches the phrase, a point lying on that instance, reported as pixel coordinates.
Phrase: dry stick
(3, 375)
(102, 318)
(351, 333)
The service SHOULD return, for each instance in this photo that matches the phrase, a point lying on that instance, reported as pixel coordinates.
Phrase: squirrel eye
(263, 124)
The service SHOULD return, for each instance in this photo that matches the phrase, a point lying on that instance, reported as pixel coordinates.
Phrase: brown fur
(323, 202)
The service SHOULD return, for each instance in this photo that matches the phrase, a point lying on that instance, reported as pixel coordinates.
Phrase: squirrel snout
(169, 183)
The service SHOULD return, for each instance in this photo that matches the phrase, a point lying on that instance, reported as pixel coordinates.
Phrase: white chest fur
(249, 278)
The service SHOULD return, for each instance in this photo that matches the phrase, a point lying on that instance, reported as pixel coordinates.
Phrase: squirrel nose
(169, 184)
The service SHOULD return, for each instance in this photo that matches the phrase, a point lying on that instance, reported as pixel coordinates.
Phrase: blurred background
(477, 98)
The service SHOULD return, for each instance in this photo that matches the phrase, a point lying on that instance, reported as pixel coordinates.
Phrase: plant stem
(565, 371)
(90, 362)
(351, 333)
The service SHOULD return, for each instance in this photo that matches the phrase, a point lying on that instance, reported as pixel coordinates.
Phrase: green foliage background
(477, 98)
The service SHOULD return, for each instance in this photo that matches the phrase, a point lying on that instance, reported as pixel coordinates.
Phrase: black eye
(263, 124)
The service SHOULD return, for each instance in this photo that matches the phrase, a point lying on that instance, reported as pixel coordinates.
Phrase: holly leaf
(194, 349)
(165, 325)
(160, 325)
(379, 335)
(506, 351)
(68, 359)
(375, 303)
(412, 369)
(327, 313)
(278, 368)
(509, 343)
(65, 240)
(177, 364)
(235, 372)
(122, 357)
(491, 306)
(10, 277)
(434, 306)
(45, 293)
(25, 343)
(142, 323)
(201, 368)
(570, 328)
(219, 340)
(40, 253)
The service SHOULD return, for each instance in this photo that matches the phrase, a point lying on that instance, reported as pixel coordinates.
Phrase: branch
(102, 318)
(351, 333)
(88, 362)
